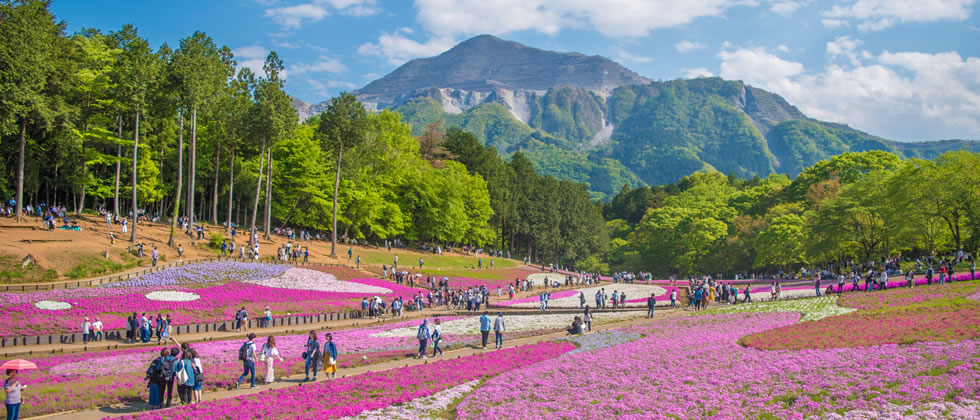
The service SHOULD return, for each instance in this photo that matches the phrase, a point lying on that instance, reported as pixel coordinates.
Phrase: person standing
(97, 329)
(198, 375)
(423, 336)
(973, 268)
(498, 330)
(267, 317)
(436, 337)
(358, 262)
(748, 294)
(651, 303)
(269, 354)
(587, 317)
(816, 285)
(12, 387)
(420, 263)
(247, 355)
(485, 328)
(156, 254)
(313, 356)
(673, 299)
(185, 372)
(330, 354)
(86, 331)
(153, 380)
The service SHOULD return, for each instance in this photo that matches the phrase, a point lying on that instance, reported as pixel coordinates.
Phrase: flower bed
(517, 323)
(204, 273)
(423, 408)
(699, 356)
(636, 296)
(370, 391)
(902, 316)
(811, 309)
(23, 314)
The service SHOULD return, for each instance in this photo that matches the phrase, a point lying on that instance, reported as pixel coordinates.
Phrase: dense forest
(855, 207)
(98, 121)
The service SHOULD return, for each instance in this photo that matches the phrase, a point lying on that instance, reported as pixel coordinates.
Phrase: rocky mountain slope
(592, 120)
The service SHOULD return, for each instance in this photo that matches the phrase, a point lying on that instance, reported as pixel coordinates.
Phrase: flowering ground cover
(693, 367)
(514, 324)
(86, 380)
(902, 316)
(431, 407)
(224, 287)
(636, 296)
(353, 395)
(810, 309)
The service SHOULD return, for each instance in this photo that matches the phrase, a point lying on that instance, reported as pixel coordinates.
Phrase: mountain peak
(486, 63)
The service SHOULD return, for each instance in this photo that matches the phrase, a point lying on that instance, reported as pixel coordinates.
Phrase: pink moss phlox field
(537, 298)
(694, 368)
(349, 396)
(86, 380)
(218, 300)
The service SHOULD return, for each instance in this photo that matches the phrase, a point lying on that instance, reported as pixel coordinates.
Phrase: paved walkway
(297, 380)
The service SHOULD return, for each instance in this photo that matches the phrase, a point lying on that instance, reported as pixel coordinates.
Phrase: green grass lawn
(484, 274)
(11, 272)
(411, 259)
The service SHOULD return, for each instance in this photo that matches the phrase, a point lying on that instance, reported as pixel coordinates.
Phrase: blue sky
(902, 69)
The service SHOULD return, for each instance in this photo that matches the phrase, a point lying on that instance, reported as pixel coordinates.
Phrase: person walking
(12, 387)
(484, 328)
(436, 337)
(330, 356)
(423, 336)
(498, 330)
(269, 354)
(651, 303)
(313, 356)
(246, 354)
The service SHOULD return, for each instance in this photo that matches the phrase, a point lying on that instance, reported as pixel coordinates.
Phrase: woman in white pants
(269, 353)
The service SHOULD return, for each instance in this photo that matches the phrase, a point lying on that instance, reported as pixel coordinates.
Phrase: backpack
(153, 372)
(166, 369)
(421, 334)
(243, 352)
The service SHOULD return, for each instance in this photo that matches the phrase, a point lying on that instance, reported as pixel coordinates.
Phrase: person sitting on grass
(576, 327)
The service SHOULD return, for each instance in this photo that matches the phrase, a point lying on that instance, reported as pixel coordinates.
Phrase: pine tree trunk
(336, 189)
(268, 198)
(214, 193)
(115, 196)
(191, 170)
(20, 169)
(135, 215)
(258, 189)
(231, 186)
(180, 177)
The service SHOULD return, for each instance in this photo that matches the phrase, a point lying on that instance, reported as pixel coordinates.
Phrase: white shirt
(97, 325)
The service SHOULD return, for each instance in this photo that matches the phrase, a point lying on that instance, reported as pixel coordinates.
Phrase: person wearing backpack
(165, 375)
(246, 353)
(423, 336)
(185, 377)
(153, 380)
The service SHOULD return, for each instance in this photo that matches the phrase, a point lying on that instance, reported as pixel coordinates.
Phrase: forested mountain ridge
(591, 120)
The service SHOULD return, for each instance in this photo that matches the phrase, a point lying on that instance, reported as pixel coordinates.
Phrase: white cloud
(846, 46)
(697, 72)
(614, 18)
(354, 7)
(688, 46)
(785, 7)
(322, 64)
(874, 15)
(397, 49)
(755, 65)
(783, 48)
(623, 55)
(292, 17)
(251, 57)
(903, 96)
(833, 23)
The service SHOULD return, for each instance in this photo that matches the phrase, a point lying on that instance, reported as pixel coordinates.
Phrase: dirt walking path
(297, 380)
